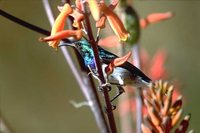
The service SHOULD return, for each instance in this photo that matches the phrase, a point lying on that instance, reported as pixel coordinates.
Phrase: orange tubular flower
(94, 9)
(115, 22)
(117, 62)
(101, 22)
(156, 17)
(63, 34)
(59, 23)
(78, 17)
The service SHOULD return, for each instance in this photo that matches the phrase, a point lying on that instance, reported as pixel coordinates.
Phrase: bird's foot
(102, 86)
(93, 73)
(113, 107)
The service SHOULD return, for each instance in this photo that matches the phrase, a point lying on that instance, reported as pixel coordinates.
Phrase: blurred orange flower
(156, 70)
(154, 67)
(94, 8)
(154, 18)
(109, 42)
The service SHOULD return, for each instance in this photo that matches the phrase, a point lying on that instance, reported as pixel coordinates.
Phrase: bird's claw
(102, 86)
(93, 73)
(113, 107)
(106, 84)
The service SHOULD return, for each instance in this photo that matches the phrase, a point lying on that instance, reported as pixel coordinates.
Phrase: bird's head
(82, 46)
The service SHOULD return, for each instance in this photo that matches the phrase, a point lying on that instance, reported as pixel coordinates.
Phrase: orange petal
(167, 102)
(93, 5)
(60, 20)
(157, 17)
(77, 16)
(117, 62)
(154, 18)
(177, 116)
(115, 22)
(101, 22)
(59, 23)
(121, 60)
(54, 39)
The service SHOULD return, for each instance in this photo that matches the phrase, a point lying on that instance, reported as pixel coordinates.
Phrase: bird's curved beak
(66, 44)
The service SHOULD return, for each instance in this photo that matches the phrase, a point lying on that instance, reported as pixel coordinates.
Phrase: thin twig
(100, 73)
(24, 23)
(84, 83)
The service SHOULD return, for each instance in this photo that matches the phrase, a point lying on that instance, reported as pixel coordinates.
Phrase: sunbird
(125, 74)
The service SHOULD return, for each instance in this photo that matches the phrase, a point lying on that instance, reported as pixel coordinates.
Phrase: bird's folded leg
(96, 76)
(120, 91)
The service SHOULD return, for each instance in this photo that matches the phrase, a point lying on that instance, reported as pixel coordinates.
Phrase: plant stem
(136, 60)
(99, 70)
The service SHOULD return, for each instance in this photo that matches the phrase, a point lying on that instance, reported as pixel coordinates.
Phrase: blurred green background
(36, 83)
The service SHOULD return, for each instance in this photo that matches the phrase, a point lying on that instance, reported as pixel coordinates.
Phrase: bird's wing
(135, 71)
(107, 57)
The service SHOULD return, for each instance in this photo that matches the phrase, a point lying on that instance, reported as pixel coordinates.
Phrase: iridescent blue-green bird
(125, 74)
